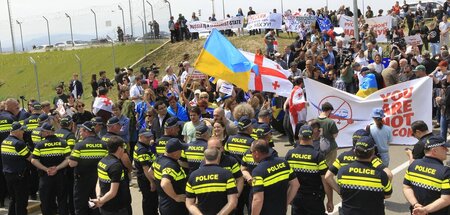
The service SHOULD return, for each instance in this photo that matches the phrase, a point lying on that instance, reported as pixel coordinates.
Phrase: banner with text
(294, 23)
(403, 104)
(264, 21)
(380, 25)
(346, 23)
(205, 26)
(414, 40)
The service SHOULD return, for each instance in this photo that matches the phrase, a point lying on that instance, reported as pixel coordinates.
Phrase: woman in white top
(361, 58)
(378, 65)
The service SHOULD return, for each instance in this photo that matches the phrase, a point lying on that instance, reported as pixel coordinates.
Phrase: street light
(123, 18)
(113, 51)
(95, 20)
(212, 2)
(223, 8)
(131, 18)
(153, 19)
(71, 32)
(48, 30)
(151, 7)
(11, 26)
(170, 8)
(145, 17)
(143, 35)
(36, 75)
(21, 36)
(282, 8)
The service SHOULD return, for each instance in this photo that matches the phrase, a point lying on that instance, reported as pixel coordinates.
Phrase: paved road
(394, 205)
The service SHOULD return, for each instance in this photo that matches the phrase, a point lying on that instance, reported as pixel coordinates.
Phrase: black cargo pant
(308, 203)
(83, 190)
(149, 198)
(51, 188)
(17, 188)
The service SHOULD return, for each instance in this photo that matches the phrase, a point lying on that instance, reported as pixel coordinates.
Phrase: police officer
(195, 151)
(49, 156)
(238, 144)
(264, 117)
(171, 179)
(112, 197)
(274, 184)
(15, 156)
(264, 132)
(353, 182)
(66, 133)
(310, 167)
(171, 129)
(113, 128)
(36, 133)
(100, 128)
(426, 183)
(221, 197)
(36, 137)
(420, 131)
(32, 122)
(143, 160)
(84, 158)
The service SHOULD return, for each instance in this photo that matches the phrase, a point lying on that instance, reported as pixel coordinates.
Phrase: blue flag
(324, 23)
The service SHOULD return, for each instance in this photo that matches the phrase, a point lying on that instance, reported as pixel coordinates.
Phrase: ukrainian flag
(368, 86)
(221, 60)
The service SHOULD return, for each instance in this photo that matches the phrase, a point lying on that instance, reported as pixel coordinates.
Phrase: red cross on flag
(102, 103)
(297, 106)
(270, 77)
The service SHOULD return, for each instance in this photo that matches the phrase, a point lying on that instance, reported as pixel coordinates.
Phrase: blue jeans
(435, 49)
(444, 127)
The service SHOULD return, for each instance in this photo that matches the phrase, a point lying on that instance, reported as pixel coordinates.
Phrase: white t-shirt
(378, 67)
(136, 91)
(172, 78)
(183, 77)
(443, 26)
(363, 61)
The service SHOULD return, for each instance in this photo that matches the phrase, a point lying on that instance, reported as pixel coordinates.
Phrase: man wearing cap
(274, 184)
(265, 132)
(49, 157)
(112, 187)
(36, 133)
(419, 131)
(171, 129)
(264, 117)
(84, 158)
(238, 144)
(66, 133)
(420, 71)
(353, 186)
(280, 61)
(329, 131)
(32, 122)
(310, 167)
(195, 151)
(15, 157)
(382, 134)
(426, 185)
(144, 156)
(100, 128)
(221, 197)
(36, 137)
(171, 179)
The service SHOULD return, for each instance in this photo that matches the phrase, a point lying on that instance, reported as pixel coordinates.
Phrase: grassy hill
(18, 78)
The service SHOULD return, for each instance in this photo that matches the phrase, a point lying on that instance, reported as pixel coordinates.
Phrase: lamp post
(48, 30)
(21, 35)
(170, 8)
(212, 3)
(151, 7)
(223, 8)
(282, 7)
(153, 19)
(123, 18)
(113, 51)
(37, 79)
(145, 16)
(11, 26)
(71, 32)
(143, 35)
(131, 18)
(355, 19)
(95, 21)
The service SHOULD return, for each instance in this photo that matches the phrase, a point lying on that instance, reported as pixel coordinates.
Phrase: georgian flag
(297, 106)
(269, 77)
(102, 103)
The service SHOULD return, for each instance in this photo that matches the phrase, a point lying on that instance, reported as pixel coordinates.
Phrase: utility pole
(355, 19)
(21, 35)
(123, 18)
(11, 26)
(131, 18)
(212, 2)
(95, 21)
(145, 17)
(170, 8)
(48, 30)
(71, 32)
(223, 8)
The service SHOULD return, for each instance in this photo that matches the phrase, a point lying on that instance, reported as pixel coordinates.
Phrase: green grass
(18, 77)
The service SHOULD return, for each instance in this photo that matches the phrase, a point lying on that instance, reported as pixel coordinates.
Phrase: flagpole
(355, 19)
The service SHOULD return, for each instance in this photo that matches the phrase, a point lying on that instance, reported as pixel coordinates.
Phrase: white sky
(30, 12)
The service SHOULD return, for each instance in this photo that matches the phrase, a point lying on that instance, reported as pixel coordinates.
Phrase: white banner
(346, 23)
(264, 21)
(413, 40)
(403, 104)
(205, 26)
(380, 25)
(293, 23)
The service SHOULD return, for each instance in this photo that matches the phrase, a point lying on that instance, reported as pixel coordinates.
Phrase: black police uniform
(361, 183)
(429, 179)
(68, 136)
(309, 165)
(51, 152)
(272, 176)
(32, 123)
(166, 167)
(195, 153)
(14, 154)
(110, 170)
(238, 144)
(211, 185)
(348, 157)
(143, 156)
(256, 129)
(6, 120)
(419, 147)
(87, 153)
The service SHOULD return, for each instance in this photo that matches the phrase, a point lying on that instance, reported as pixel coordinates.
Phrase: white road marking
(394, 172)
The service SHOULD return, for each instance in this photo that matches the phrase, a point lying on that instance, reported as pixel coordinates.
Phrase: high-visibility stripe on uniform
(175, 175)
(234, 169)
(103, 175)
(49, 152)
(426, 182)
(71, 142)
(363, 183)
(9, 150)
(275, 178)
(5, 127)
(194, 156)
(305, 166)
(235, 148)
(89, 153)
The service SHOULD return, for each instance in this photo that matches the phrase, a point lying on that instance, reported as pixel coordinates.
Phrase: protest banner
(293, 23)
(196, 75)
(346, 23)
(264, 21)
(380, 26)
(414, 40)
(402, 103)
(205, 26)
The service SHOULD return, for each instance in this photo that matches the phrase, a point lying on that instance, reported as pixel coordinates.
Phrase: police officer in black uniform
(274, 184)
(171, 129)
(195, 151)
(66, 133)
(15, 157)
(420, 131)
(111, 176)
(84, 158)
(171, 179)
(426, 183)
(238, 144)
(100, 128)
(264, 117)
(143, 160)
(353, 182)
(221, 195)
(36, 137)
(32, 122)
(112, 130)
(310, 167)
(49, 157)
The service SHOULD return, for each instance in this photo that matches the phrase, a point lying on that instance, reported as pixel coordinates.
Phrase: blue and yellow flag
(220, 59)
(368, 86)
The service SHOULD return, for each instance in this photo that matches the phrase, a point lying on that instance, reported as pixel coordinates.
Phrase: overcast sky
(30, 12)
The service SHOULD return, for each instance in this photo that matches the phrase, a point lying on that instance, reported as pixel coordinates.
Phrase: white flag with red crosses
(102, 103)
